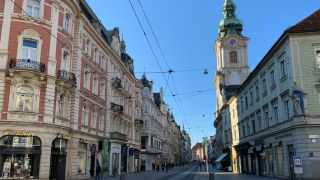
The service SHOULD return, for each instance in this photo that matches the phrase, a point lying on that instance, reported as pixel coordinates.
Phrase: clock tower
(231, 55)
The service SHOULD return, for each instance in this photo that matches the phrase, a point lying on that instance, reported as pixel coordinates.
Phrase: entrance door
(291, 165)
(58, 167)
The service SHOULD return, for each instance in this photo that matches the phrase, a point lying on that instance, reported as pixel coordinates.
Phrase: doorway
(291, 165)
(58, 159)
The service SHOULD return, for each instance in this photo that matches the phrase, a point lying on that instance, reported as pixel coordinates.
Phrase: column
(45, 161)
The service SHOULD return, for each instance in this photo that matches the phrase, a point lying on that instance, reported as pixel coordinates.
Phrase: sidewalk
(220, 175)
(202, 174)
(150, 175)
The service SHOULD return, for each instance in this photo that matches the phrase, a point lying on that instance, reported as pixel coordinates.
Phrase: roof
(145, 82)
(309, 24)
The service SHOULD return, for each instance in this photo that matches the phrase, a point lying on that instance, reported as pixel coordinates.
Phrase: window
(88, 47)
(264, 85)
(253, 125)
(95, 84)
(318, 58)
(282, 69)
(226, 134)
(243, 130)
(286, 109)
(24, 101)
(67, 20)
(33, 8)
(246, 101)
(62, 105)
(65, 61)
(85, 116)
(251, 98)
(257, 93)
(102, 90)
(266, 117)
(259, 123)
(101, 122)
(86, 78)
(233, 57)
(95, 55)
(93, 119)
(29, 49)
(242, 107)
(272, 79)
(275, 114)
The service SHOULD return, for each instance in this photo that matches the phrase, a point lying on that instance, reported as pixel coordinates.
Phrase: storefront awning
(220, 158)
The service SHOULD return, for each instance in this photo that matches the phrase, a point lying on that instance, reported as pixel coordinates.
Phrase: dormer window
(233, 57)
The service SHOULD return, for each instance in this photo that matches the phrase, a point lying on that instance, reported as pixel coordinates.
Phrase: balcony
(116, 83)
(118, 136)
(67, 77)
(27, 65)
(116, 108)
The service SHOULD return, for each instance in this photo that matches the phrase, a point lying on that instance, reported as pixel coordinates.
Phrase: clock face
(232, 42)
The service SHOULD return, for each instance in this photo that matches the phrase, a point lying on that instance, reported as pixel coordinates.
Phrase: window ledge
(273, 86)
(39, 20)
(62, 118)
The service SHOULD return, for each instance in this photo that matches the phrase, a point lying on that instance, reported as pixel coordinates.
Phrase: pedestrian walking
(98, 165)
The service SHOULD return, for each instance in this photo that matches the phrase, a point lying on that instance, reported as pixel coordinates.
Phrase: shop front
(58, 159)
(115, 160)
(19, 157)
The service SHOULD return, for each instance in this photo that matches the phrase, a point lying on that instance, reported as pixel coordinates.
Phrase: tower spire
(230, 24)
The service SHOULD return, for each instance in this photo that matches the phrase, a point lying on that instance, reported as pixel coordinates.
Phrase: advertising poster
(105, 155)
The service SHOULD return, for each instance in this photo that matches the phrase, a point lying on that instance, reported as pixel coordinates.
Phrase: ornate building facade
(271, 120)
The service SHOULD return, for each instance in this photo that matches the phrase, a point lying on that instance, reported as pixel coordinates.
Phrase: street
(187, 172)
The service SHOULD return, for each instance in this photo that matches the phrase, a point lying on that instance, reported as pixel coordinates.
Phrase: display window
(19, 157)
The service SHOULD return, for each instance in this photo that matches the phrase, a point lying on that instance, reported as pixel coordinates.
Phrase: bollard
(122, 176)
(211, 176)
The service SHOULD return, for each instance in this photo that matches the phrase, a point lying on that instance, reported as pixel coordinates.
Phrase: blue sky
(186, 32)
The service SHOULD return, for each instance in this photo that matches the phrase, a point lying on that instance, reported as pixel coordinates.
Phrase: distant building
(197, 152)
(271, 120)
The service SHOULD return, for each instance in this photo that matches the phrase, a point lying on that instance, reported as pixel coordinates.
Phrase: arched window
(24, 101)
(233, 57)
(62, 105)
(67, 20)
(33, 8)
(88, 47)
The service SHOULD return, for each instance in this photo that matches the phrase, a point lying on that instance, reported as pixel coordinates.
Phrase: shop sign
(83, 141)
(19, 133)
(297, 163)
(93, 149)
(19, 141)
(63, 136)
(130, 151)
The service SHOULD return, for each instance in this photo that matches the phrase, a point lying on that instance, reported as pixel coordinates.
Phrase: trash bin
(211, 176)
(122, 176)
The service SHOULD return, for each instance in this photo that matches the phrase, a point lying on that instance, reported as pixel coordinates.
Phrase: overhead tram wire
(153, 53)
(162, 53)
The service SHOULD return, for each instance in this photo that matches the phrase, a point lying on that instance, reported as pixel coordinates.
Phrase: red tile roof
(309, 24)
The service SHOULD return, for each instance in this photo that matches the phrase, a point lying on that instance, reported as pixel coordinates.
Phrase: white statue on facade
(296, 105)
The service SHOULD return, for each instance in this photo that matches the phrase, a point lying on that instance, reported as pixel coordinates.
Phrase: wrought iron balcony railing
(68, 77)
(117, 135)
(27, 65)
(116, 108)
(116, 82)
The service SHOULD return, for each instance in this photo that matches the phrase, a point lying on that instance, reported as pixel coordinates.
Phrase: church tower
(231, 53)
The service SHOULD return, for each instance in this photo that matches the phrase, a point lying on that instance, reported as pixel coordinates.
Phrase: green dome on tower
(230, 24)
